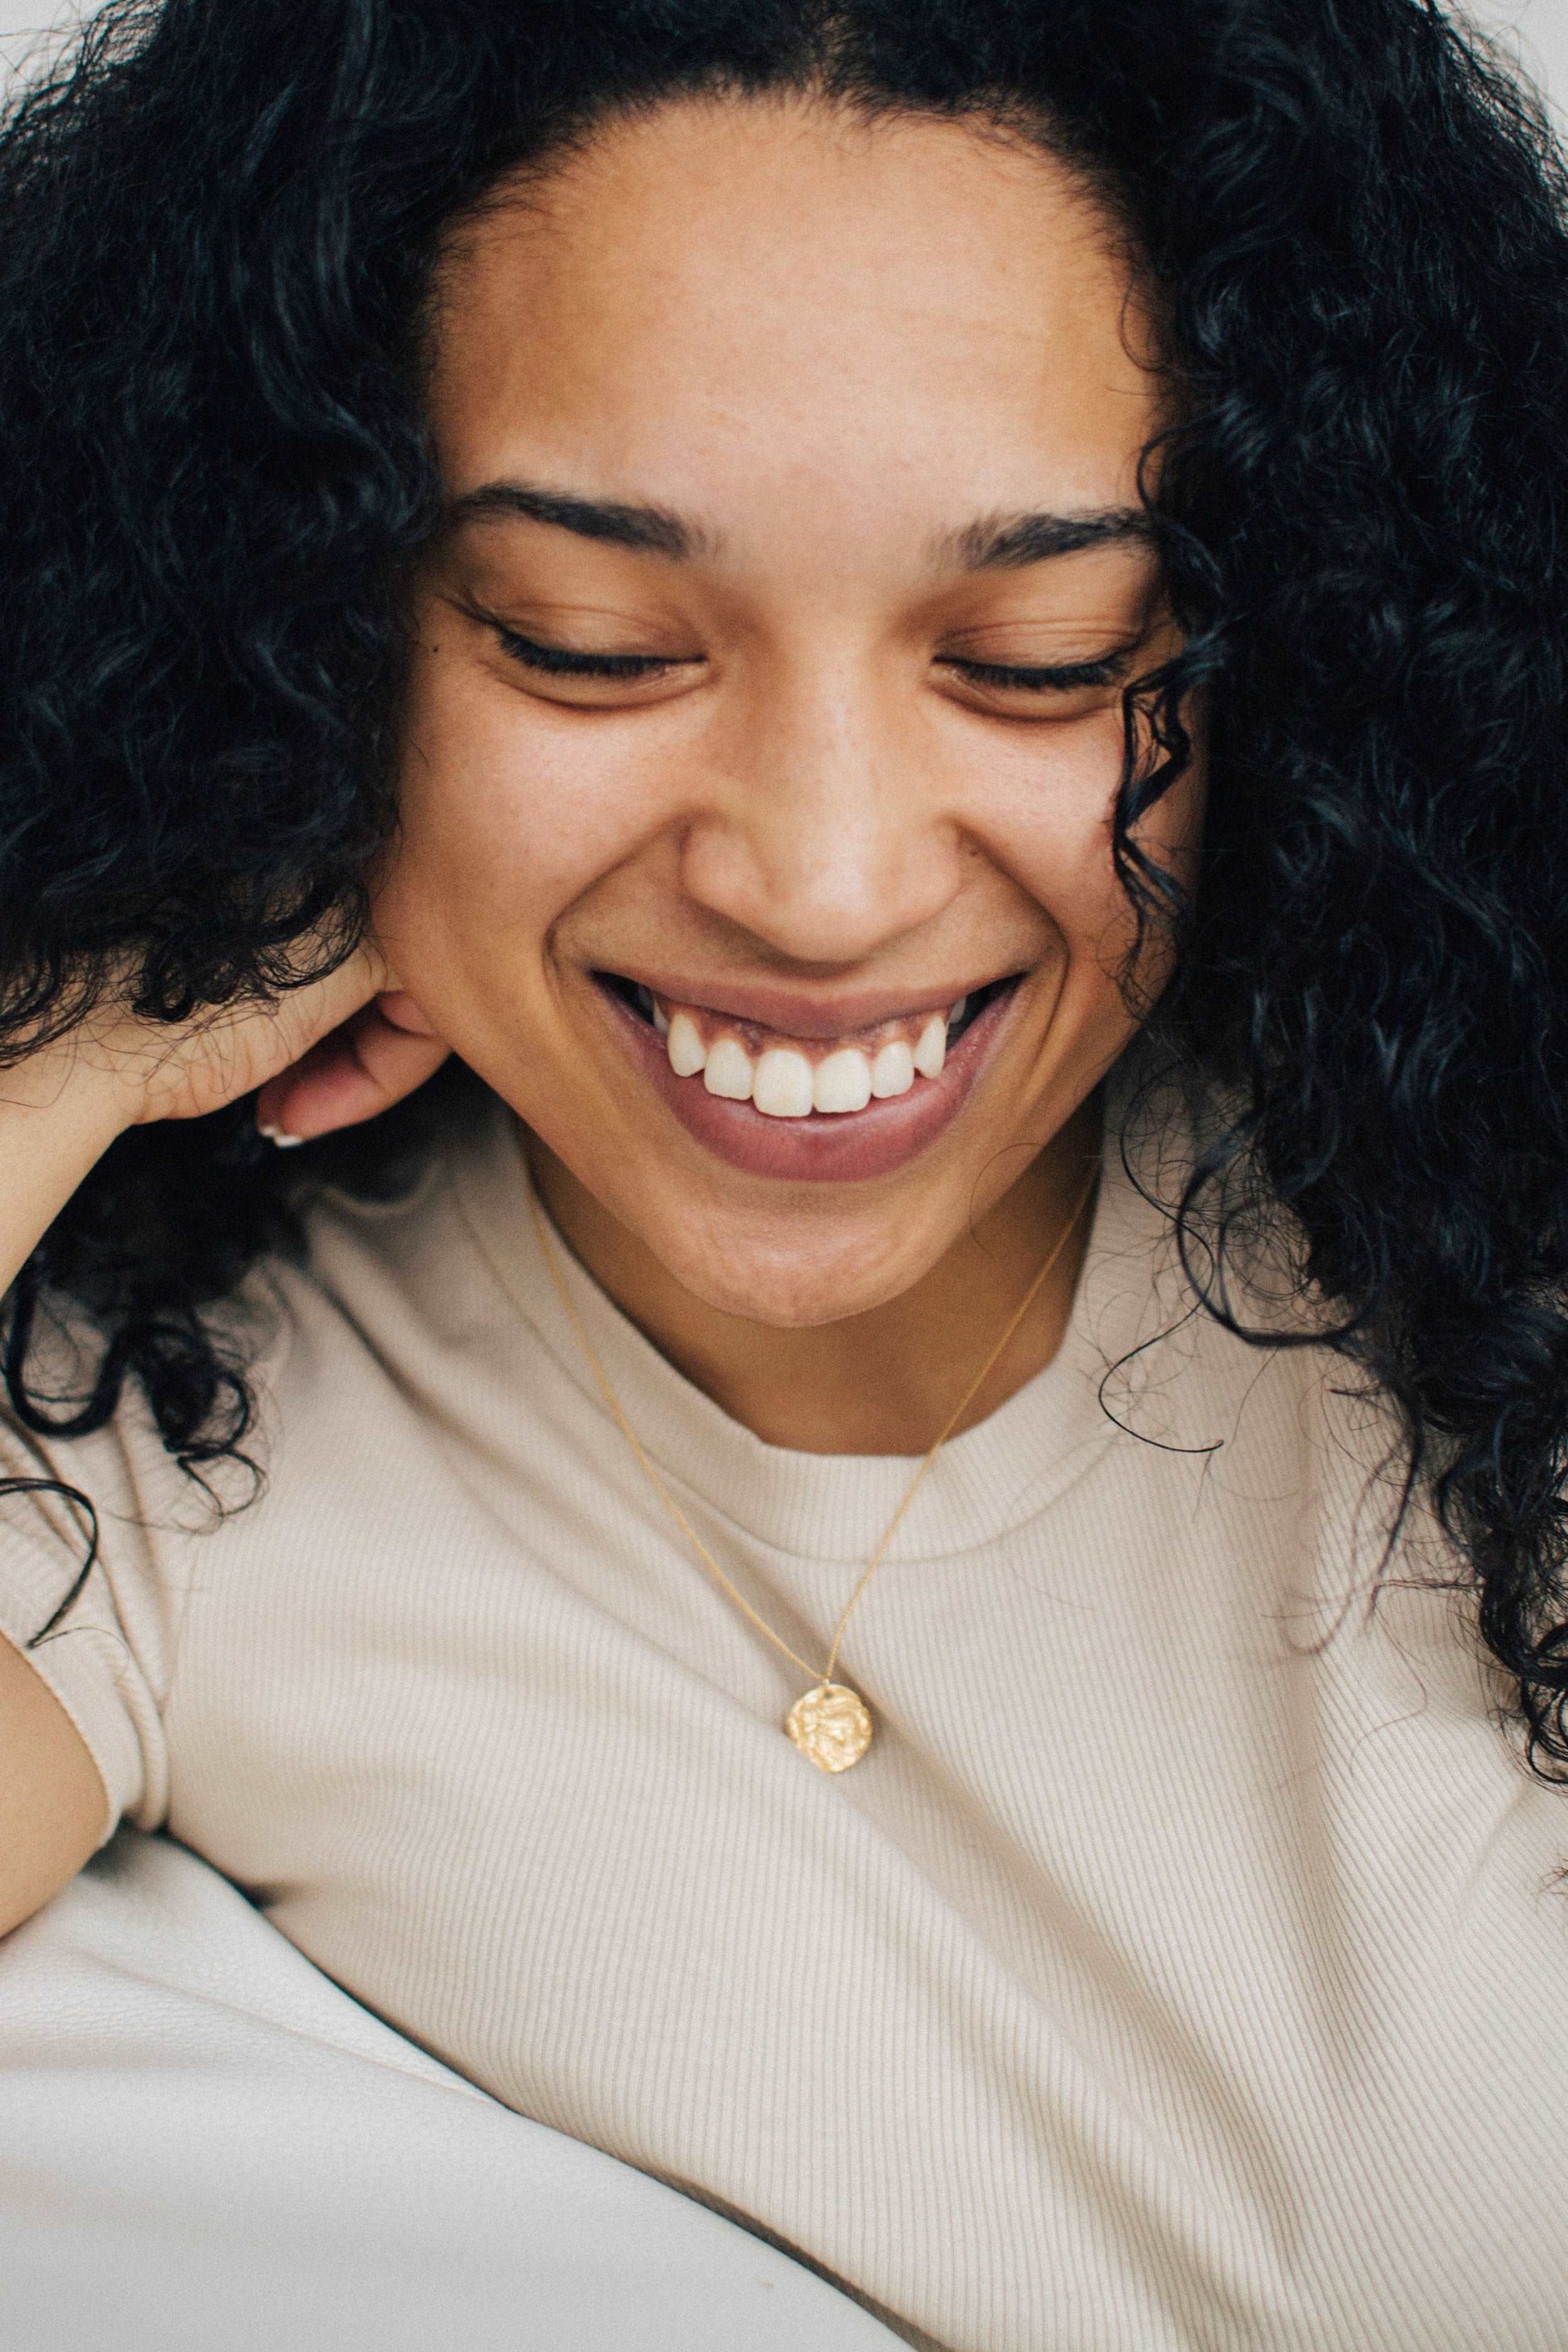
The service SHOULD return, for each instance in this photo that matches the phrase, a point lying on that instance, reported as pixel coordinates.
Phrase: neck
(882, 1382)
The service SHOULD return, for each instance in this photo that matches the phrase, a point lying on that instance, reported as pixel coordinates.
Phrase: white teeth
(842, 1082)
(930, 1053)
(784, 1084)
(893, 1071)
(955, 1014)
(729, 1069)
(782, 1088)
(684, 1045)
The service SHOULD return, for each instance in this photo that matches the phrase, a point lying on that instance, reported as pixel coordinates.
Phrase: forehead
(755, 304)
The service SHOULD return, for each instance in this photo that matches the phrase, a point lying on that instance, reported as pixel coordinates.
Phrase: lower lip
(824, 1148)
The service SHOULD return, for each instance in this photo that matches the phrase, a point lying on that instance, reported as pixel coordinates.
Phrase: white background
(1535, 31)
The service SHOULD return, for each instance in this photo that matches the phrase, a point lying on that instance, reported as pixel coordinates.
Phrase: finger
(355, 1073)
(398, 1007)
(292, 1026)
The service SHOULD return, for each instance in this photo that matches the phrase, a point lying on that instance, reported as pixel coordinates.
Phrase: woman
(873, 1554)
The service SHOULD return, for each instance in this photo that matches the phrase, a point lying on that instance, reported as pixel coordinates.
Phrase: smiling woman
(860, 713)
(784, 672)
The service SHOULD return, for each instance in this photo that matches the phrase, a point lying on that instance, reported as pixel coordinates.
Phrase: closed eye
(557, 661)
(1013, 678)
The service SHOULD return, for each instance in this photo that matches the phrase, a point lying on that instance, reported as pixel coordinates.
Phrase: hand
(322, 1056)
(369, 1062)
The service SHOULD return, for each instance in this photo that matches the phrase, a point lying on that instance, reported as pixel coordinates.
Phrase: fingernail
(276, 1135)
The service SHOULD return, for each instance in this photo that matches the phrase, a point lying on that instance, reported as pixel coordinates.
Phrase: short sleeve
(106, 1658)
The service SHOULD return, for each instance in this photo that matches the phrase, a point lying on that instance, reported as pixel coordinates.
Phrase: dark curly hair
(217, 223)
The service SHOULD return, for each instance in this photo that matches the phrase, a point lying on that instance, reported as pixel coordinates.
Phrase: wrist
(58, 1114)
(65, 1098)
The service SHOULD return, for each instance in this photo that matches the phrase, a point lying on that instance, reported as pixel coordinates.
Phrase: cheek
(506, 818)
(1048, 813)
(1070, 851)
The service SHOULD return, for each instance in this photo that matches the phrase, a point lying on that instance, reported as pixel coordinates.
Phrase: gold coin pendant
(832, 1725)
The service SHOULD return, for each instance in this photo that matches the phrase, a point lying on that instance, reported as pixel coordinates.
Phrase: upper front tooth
(728, 1070)
(685, 1048)
(893, 1071)
(659, 1016)
(842, 1081)
(930, 1053)
(783, 1085)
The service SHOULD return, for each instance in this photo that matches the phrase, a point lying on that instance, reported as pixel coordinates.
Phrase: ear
(385, 1051)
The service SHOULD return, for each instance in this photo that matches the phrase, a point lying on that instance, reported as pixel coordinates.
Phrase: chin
(795, 1273)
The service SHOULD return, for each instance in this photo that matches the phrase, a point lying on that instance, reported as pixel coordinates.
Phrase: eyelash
(1016, 677)
(556, 661)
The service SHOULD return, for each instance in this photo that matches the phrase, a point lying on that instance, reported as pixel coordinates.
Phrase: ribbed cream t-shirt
(1185, 1965)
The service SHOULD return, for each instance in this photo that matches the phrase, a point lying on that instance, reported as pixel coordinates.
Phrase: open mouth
(787, 1077)
(817, 1104)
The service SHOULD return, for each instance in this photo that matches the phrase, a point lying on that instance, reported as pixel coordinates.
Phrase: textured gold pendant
(832, 1725)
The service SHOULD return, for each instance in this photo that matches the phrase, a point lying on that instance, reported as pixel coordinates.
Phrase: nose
(824, 830)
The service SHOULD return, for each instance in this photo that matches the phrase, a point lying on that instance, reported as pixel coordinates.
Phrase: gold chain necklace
(830, 1723)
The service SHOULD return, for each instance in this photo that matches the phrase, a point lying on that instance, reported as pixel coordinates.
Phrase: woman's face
(766, 705)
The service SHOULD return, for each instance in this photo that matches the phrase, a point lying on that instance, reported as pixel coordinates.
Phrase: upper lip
(795, 1013)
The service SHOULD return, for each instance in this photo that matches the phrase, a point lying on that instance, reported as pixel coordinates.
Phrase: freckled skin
(828, 347)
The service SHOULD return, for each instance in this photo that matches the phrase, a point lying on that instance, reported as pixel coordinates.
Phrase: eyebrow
(1009, 542)
(995, 543)
(652, 529)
